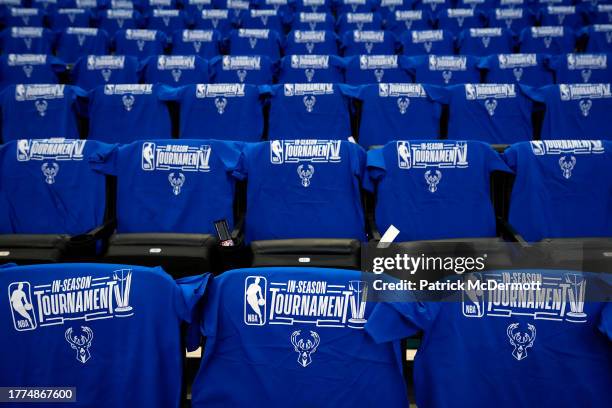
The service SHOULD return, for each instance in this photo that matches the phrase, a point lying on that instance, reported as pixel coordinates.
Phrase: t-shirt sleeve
(394, 321)
(105, 160)
(229, 154)
(351, 91)
(510, 156)
(536, 94)
(375, 169)
(189, 301)
(358, 159)
(494, 161)
(438, 93)
(241, 172)
(168, 93)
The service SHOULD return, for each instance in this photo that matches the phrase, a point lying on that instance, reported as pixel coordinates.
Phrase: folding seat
(24, 17)
(581, 68)
(372, 69)
(485, 41)
(70, 17)
(603, 14)
(260, 327)
(204, 43)
(170, 193)
(114, 20)
(29, 69)
(246, 41)
(218, 111)
(418, 42)
(402, 20)
(515, 19)
(167, 21)
(27, 40)
(599, 38)
(574, 111)
(311, 42)
(358, 21)
(395, 111)
(525, 69)
(368, 42)
(122, 113)
(94, 70)
(418, 178)
(255, 69)
(314, 6)
(304, 201)
(56, 204)
(88, 314)
(355, 6)
(175, 70)
(492, 113)
(313, 21)
(566, 16)
(140, 43)
(311, 68)
(458, 19)
(269, 19)
(567, 178)
(547, 39)
(220, 20)
(195, 7)
(433, 6)
(76, 42)
(306, 110)
(35, 110)
(444, 69)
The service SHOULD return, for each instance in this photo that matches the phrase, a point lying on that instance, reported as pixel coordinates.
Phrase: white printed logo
(310, 47)
(547, 41)
(176, 74)
(28, 43)
(486, 41)
(27, 70)
(305, 174)
(242, 73)
(220, 104)
(41, 106)
(567, 164)
(253, 42)
(432, 179)
(491, 104)
(368, 47)
(309, 102)
(122, 289)
(518, 73)
(402, 104)
(106, 74)
(255, 293)
(50, 170)
(309, 72)
(176, 182)
(521, 341)
(379, 73)
(447, 76)
(141, 44)
(428, 45)
(586, 75)
(128, 102)
(20, 297)
(305, 347)
(609, 37)
(80, 343)
(585, 106)
(81, 39)
(197, 45)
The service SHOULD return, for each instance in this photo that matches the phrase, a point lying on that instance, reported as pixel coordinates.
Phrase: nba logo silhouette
(20, 300)
(255, 289)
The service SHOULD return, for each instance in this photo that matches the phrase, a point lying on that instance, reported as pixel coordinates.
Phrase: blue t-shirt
(220, 20)
(372, 69)
(505, 347)
(70, 17)
(581, 68)
(511, 18)
(359, 21)
(457, 19)
(547, 39)
(246, 41)
(35, 111)
(314, 5)
(24, 17)
(49, 187)
(302, 42)
(599, 38)
(485, 41)
(303, 189)
(402, 20)
(418, 42)
(140, 43)
(357, 42)
(218, 111)
(574, 111)
(205, 43)
(387, 8)
(193, 7)
(254, 69)
(602, 14)
(29, 69)
(114, 20)
(297, 350)
(76, 42)
(158, 182)
(444, 69)
(283, 6)
(263, 19)
(397, 111)
(355, 6)
(311, 68)
(557, 181)
(492, 113)
(433, 6)
(27, 40)
(175, 70)
(311, 20)
(526, 69)
(309, 110)
(167, 21)
(95, 70)
(88, 316)
(434, 189)
(128, 112)
(566, 16)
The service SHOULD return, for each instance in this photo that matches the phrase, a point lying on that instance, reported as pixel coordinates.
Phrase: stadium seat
(204, 43)
(395, 111)
(603, 14)
(492, 113)
(236, 7)
(433, 6)
(169, 195)
(371, 69)
(525, 69)
(301, 42)
(218, 111)
(368, 42)
(458, 19)
(294, 355)
(167, 21)
(140, 43)
(123, 113)
(303, 202)
(29, 69)
(63, 18)
(76, 42)
(308, 110)
(358, 21)
(355, 6)
(387, 8)
(418, 42)
(27, 40)
(269, 19)
(94, 70)
(485, 41)
(284, 7)
(444, 69)
(574, 111)
(255, 42)
(114, 20)
(24, 17)
(566, 16)
(599, 38)
(311, 68)
(547, 39)
(195, 7)
(313, 6)
(29, 111)
(510, 18)
(313, 21)
(257, 70)
(402, 20)
(175, 70)
(581, 68)
(62, 212)
(220, 20)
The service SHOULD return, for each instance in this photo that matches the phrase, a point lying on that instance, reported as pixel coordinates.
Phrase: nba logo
(276, 152)
(148, 156)
(404, 160)
(255, 290)
(473, 303)
(20, 300)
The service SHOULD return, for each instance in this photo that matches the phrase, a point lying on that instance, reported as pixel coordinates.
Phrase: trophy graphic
(122, 289)
(576, 294)
(358, 301)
